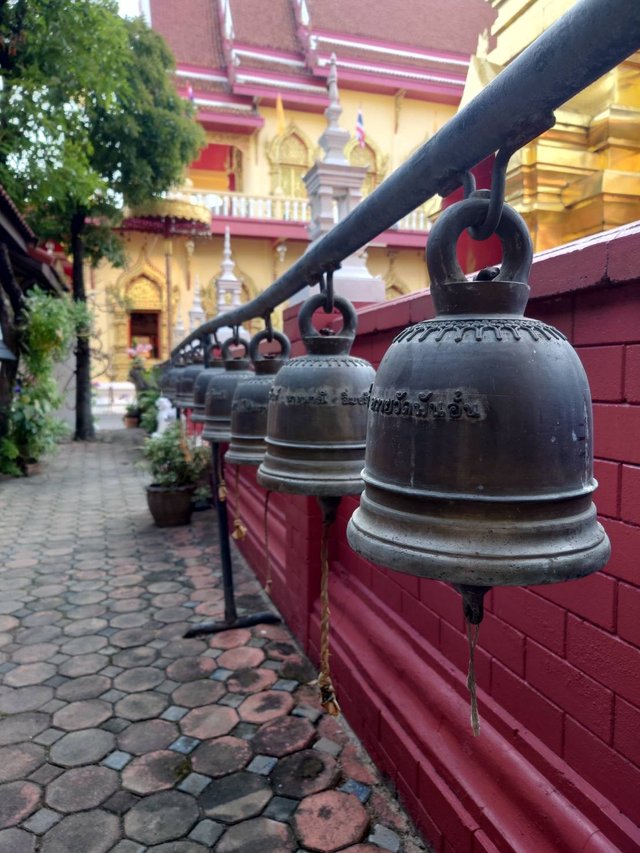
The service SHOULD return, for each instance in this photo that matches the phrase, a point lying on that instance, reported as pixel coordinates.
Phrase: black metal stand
(231, 618)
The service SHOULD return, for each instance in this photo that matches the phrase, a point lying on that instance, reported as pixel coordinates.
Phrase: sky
(129, 8)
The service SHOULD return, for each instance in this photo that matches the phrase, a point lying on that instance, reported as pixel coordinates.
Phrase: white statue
(166, 415)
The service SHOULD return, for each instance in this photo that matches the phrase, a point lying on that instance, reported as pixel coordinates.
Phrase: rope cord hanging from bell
(222, 486)
(269, 575)
(239, 529)
(328, 697)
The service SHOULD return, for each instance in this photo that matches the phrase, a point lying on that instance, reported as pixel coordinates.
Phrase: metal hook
(236, 334)
(327, 289)
(268, 325)
(495, 195)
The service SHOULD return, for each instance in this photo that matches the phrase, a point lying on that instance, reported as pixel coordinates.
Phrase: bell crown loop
(232, 362)
(508, 292)
(319, 344)
(271, 363)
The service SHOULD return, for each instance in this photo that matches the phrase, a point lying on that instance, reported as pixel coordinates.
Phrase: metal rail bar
(590, 39)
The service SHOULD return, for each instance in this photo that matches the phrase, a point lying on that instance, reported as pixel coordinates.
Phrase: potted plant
(176, 466)
(132, 416)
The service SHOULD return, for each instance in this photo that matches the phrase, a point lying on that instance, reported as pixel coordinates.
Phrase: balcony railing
(284, 209)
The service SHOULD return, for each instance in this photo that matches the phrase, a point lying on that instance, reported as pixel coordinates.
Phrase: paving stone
(117, 760)
(281, 808)
(81, 788)
(83, 645)
(147, 736)
(84, 747)
(115, 725)
(184, 745)
(178, 847)
(304, 773)
(45, 774)
(194, 783)
(183, 648)
(111, 671)
(16, 841)
(261, 835)
(331, 820)
(138, 679)
(283, 736)
(242, 657)
(121, 802)
(19, 760)
(265, 706)
(362, 792)
(87, 687)
(207, 832)
(14, 701)
(209, 722)
(129, 637)
(221, 756)
(141, 706)
(42, 821)
(82, 715)
(326, 745)
(282, 650)
(246, 731)
(127, 846)
(161, 817)
(236, 797)
(96, 831)
(190, 668)
(138, 656)
(230, 639)
(383, 836)
(155, 771)
(83, 665)
(17, 801)
(174, 713)
(221, 674)
(262, 764)
(32, 654)
(251, 680)
(112, 695)
(232, 700)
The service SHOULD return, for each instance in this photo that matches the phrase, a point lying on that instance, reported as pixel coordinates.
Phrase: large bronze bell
(220, 391)
(169, 381)
(186, 382)
(251, 401)
(216, 364)
(479, 463)
(317, 415)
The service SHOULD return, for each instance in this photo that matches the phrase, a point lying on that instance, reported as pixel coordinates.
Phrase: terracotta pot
(170, 507)
(131, 421)
(32, 468)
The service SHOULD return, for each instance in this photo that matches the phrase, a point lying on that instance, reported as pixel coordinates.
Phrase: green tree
(89, 121)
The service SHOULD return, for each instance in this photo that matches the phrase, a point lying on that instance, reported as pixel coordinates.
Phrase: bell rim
(539, 497)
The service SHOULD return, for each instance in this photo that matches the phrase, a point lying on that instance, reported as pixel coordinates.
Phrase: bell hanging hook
(268, 325)
(326, 287)
(495, 195)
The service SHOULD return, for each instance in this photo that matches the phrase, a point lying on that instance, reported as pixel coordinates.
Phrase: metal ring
(349, 316)
(256, 340)
(512, 230)
(241, 342)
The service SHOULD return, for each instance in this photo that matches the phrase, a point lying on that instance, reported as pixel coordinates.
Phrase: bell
(185, 384)
(220, 391)
(317, 414)
(169, 380)
(200, 388)
(479, 462)
(251, 401)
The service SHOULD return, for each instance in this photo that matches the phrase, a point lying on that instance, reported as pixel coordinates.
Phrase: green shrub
(173, 459)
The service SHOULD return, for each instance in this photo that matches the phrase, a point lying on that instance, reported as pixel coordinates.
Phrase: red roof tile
(446, 25)
(191, 29)
(265, 24)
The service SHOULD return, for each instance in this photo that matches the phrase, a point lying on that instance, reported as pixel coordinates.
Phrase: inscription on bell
(319, 397)
(448, 404)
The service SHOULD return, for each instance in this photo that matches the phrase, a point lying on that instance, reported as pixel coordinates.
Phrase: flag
(190, 94)
(282, 122)
(360, 129)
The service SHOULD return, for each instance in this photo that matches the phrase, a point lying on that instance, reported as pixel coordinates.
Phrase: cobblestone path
(118, 735)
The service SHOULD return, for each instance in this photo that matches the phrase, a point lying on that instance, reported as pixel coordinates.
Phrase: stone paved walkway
(118, 735)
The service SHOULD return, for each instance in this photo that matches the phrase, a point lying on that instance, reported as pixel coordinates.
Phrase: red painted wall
(557, 764)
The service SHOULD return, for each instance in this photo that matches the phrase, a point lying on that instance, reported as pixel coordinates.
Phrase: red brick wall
(557, 764)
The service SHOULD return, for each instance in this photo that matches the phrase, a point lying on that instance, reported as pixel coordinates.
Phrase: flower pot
(131, 421)
(31, 469)
(169, 506)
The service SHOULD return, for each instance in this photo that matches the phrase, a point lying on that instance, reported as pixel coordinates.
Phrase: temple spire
(228, 285)
(334, 138)
(197, 315)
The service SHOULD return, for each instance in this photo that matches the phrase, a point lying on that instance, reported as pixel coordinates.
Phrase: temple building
(269, 175)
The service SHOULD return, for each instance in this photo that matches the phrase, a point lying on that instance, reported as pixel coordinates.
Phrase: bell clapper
(328, 699)
(473, 609)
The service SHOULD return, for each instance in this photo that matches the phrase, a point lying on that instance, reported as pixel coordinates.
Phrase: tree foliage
(89, 121)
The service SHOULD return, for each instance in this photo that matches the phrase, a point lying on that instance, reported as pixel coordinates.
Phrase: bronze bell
(169, 380)
(220, 390)
(200, 386)
(479, 463)
(317, 415)
(251, 401)
(186, 382)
